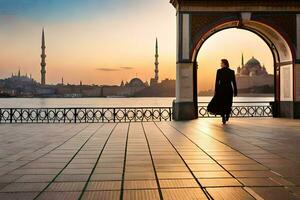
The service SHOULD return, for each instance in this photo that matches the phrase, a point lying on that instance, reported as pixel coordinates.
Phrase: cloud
(107, 69)
(127, 68)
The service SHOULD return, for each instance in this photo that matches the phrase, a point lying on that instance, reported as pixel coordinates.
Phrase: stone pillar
(185, 105)
(286, 91)
(297, 90)
(297, 73)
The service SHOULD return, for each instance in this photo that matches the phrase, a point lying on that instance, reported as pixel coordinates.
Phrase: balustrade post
(21, 115)
(114, 114)
(75, 115)
(160, 113)
(11, 115)
(37, 115)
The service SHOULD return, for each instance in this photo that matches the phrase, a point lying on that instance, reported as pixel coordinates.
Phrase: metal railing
(241, 109)
(121, 114)
(84, 115)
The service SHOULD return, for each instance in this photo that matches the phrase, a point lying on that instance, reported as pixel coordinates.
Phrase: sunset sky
(104, 42)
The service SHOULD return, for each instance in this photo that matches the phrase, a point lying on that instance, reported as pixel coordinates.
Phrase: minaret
(242, 60)
(19, 73)
(43, 60)
(156, 61)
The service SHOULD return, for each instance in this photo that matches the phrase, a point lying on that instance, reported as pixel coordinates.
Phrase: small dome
(136, 82)
(253, 62)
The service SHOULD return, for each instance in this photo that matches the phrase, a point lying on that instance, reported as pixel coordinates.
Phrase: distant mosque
(136, 84)
(26, 78)
(22, 78)
(252, 74)
(251, 68)
(26, 86)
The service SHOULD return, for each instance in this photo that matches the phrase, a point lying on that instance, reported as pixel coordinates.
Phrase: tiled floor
(201, 159)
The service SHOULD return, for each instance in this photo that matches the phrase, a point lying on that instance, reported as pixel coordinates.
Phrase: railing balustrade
(241, 109)
(120, 114)
(84, 115)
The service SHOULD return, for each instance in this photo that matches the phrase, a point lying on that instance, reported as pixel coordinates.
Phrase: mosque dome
(136, 82)
(253, 63)
(253, 68)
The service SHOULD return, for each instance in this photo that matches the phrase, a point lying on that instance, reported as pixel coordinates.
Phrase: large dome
(253, 63)
(136, 82)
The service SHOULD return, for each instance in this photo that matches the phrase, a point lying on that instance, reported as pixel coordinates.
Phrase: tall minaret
(156, 61)
(242, 60)
(43, 60)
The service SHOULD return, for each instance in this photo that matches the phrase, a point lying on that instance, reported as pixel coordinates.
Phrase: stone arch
(282, 50)
(276, 22)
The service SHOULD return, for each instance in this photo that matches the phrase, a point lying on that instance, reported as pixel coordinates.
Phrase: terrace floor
(257, 158)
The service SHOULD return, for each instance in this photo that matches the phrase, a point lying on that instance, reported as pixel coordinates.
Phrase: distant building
(43, 60)
(154, 81)
(22, 85)
(252, 74)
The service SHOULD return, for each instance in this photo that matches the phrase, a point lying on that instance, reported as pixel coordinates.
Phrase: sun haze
(105, 42)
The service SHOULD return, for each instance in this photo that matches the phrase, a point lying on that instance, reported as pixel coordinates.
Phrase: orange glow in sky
(115, 44)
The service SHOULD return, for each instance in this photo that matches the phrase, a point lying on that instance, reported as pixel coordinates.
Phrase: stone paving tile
(249, 167)
(80, 165)
(212, 174)
(183, 194)
(205, 167)
(178, 183)
(35, 178)
(9, 178)
(72, 178)
(35, 171)
(258, 182)
(139, 176)
(59, 195)
(18, 195)
(282, 181)
(76, 171)
(66, 187)
(294, 180)
(101, 195)
(174, 175)
(24, 187)
(229, 193)
(103, 185)
(141, 194)
(140, 184)
(202, 161)
(219, 182)
(273, 193)
(107, 170)
(295, 191)
(2, 185)
(45, 165)
(252, 174)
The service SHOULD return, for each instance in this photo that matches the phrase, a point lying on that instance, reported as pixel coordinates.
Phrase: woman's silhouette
(225, 88)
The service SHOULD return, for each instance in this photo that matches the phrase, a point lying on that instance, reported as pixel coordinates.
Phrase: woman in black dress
(225, 89)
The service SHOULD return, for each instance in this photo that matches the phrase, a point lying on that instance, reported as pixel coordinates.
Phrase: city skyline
(92, 49)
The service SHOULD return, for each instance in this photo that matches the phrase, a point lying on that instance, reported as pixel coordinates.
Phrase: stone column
(297, 73)
(185, 105)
